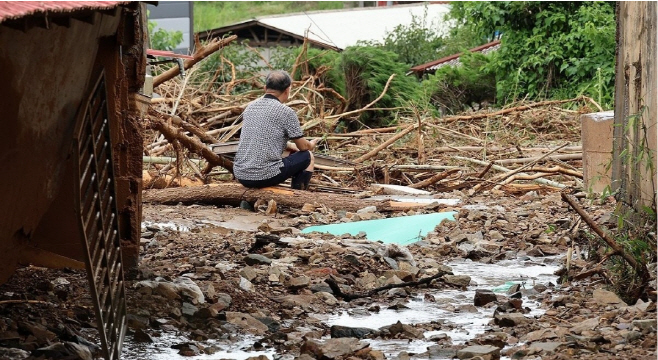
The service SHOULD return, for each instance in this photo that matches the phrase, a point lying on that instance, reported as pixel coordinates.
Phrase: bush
(549, 49)
(453, 87)
(163, 39)
(366, 70)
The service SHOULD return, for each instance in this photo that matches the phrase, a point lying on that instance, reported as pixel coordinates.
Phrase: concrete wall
(636, 104)
(47, 74)
(175, 16)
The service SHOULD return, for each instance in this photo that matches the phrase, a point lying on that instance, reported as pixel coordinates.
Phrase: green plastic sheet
(401, 230)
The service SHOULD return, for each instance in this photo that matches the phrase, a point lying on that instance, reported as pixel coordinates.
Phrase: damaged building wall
(636, 102)
(48, 71)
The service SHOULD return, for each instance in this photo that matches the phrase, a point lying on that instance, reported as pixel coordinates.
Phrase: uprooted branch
(200, 54)
(639, 267)
(191, 144)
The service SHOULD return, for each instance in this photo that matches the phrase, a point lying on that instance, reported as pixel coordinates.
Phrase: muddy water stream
(452, 309)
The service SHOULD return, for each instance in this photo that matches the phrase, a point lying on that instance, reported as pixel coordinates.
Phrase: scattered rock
(257, 259)
(457, 280)
(350, 332)
(483, 297)
(485, 352)
(332, 348)
(299, 282)
(246, 322)
(246, 285)
(510, 320)
(141, 337)
(605, 297)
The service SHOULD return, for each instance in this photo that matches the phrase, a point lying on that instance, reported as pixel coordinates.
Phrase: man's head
(278, 83)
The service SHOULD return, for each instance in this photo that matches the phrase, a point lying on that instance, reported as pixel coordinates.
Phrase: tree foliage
(366, 70)
(549, 49)
(453, 87)
(162, 39)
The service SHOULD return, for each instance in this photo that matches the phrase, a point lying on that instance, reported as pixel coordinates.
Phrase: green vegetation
(366, 70)
(452, 88)
(213, 14)
(163, 39)
(549, 49)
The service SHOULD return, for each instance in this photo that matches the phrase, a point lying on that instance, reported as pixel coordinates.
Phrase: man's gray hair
(278, 80)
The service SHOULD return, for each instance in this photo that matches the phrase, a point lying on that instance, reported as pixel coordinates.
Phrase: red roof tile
(18, 9)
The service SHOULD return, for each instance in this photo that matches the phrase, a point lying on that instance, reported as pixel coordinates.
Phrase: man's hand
(314, 142)
(304, 145)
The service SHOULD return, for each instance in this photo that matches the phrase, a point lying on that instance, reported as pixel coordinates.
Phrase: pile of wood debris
(192, 130)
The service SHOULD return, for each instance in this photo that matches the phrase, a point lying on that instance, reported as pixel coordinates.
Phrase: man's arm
(302, 144)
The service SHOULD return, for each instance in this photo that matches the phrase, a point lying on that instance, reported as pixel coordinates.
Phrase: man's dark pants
(294, 166)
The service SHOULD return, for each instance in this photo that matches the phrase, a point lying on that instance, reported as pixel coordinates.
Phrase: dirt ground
(228, 274)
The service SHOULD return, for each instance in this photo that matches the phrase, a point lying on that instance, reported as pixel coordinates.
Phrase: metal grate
(96, 207)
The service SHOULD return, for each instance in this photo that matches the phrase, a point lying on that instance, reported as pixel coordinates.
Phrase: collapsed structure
(71, 144)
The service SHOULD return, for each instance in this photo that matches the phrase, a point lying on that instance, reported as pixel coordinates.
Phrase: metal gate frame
(95, 204)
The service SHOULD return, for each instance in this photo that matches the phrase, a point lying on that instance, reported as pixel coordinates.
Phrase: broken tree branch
(386, 144)
(434, 179)
(510, 110)
(639, 267)
(200, 54)
(191, 144)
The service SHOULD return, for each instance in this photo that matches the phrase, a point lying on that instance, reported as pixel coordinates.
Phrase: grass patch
(214, 14)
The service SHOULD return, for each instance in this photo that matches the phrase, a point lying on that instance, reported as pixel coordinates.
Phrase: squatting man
(267, 127)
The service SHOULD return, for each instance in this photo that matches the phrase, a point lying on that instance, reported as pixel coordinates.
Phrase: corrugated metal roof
(454, 59)
(17, 9)
(345, 27)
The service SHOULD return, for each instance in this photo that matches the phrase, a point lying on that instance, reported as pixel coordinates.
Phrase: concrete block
(596, 132)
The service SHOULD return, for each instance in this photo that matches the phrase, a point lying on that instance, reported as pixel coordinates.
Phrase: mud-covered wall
(47, 74)
(636, 103)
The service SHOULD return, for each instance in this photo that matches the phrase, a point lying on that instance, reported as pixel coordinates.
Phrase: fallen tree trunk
(233, 193)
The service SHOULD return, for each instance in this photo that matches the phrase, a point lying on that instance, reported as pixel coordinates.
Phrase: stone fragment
(246, 285)
(13, 353)
(67, 350)
(257, 259)
(367, 209)
(327, 298)
(299, 282)
(248, 273)
(338, 331)
(246, 322)
(589, 324)
(332, 348)
(485, 352)
(546, 347)
(457, 280)
(645, 326)
(509, 320)
(404, 331)
(188, 309)
(605, 297)
(189, 289)
(137, 322)
(141, 336)
(483, 297)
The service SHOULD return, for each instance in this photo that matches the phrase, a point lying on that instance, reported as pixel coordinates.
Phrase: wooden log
(200, 54)
(434, 179)
(233, 193)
